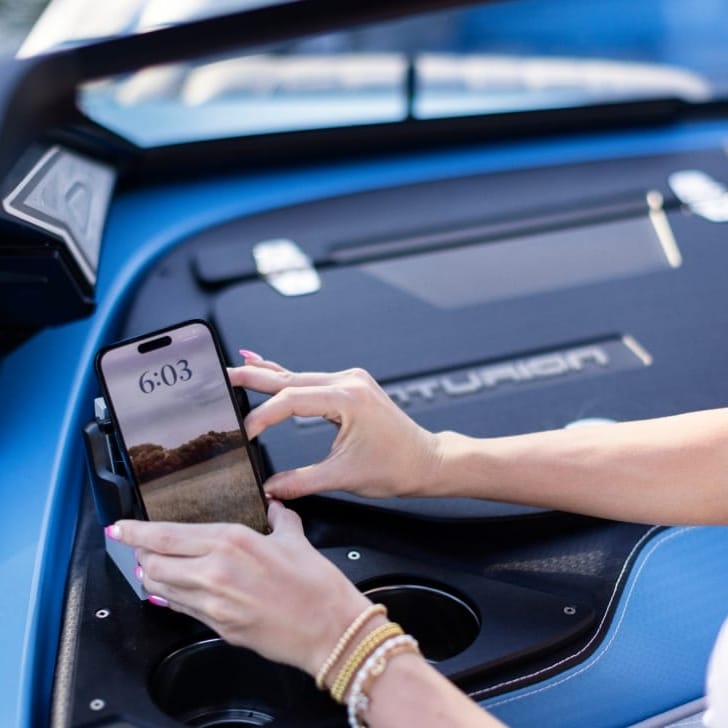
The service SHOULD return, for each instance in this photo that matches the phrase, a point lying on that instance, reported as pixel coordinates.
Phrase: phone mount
(111, 486)
(114, 494)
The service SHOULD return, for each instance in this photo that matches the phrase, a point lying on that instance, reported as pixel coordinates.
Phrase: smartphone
(180, 429)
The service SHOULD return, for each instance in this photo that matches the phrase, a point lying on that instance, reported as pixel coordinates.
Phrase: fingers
(302, 401)
(284, 522)
(261, 363)
(186, 598)
(269, 380)
(177, 539)
(169, 576)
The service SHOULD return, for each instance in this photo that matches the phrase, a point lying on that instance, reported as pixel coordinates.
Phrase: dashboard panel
(638, 340)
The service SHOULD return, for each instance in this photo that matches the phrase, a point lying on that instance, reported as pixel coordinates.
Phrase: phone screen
(180, 429)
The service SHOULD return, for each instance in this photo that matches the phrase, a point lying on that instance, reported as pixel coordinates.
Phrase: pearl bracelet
(375, 665)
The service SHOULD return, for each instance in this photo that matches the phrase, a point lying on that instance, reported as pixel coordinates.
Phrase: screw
(97, 704)
(353, 556)
(571, 611)
(102, 613)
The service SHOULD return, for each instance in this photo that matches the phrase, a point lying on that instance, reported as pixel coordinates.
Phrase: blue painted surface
(47, 386)
(654, 656)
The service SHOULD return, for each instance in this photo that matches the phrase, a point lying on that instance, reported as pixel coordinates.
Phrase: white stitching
(672, 534)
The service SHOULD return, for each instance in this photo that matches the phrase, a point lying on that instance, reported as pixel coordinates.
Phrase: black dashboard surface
(411, 290)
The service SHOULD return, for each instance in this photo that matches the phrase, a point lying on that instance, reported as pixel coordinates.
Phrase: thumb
(282, 520)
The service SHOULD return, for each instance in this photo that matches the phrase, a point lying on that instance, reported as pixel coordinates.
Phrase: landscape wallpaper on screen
(182, 434)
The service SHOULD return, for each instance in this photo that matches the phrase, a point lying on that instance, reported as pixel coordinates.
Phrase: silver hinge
(285, 267)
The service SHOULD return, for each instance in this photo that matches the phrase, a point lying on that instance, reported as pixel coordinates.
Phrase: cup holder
(211, 684)
(442, 622)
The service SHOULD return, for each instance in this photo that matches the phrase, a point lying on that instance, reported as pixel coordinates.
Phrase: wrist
(442, 478)
(377, 631)
(427, 467)
(336, 621)
(465, 467)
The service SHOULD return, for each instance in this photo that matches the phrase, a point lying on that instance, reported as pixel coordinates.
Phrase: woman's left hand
(274, 594)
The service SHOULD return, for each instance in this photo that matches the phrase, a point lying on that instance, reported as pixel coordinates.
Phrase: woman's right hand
(378, 451)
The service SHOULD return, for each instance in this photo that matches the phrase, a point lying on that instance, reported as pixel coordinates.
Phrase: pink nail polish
(246, 354)
(139, 573)
(113, 532)
(157, 601)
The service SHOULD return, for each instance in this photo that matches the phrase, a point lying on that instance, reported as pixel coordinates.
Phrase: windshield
(494, 58)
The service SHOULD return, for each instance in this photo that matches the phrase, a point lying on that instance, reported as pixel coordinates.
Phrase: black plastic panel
(536, 591)
(672, 315)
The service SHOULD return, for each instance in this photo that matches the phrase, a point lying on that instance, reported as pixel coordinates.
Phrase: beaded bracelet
(351, 631)
(363, 650)
(375, 665)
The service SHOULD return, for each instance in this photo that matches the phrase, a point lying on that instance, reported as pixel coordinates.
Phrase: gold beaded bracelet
(357, 658)
(351, 631)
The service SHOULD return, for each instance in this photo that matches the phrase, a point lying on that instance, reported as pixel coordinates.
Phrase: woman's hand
(378, 451)
(274, 594)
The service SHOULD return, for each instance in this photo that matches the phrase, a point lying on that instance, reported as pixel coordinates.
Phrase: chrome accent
(702, 194)
(481, 379)
(637, 349)
(608, 355)
(285, 267)
(662, 229)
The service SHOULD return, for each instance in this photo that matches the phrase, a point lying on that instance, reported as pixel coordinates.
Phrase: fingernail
(113, 532)
(246, 354)
(157, 601)
(139, 573)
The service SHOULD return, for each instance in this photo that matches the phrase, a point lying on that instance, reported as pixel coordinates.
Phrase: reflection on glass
(494, 58)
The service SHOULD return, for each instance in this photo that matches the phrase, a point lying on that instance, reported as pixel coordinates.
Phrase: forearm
(667, 470)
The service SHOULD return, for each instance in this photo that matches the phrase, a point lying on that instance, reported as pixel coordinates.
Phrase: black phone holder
(114, 494)
(111, 486)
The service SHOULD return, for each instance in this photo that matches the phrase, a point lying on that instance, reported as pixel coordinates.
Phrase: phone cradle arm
(113, 493)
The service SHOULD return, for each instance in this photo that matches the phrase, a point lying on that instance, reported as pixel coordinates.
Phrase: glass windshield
(494, 58)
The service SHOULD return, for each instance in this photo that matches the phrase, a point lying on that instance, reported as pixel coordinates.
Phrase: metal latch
(702, 194)
(286, 267)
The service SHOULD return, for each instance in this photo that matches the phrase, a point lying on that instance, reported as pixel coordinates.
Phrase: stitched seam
(597, 635)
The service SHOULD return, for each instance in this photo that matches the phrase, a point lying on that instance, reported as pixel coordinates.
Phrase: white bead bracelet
(375, 665)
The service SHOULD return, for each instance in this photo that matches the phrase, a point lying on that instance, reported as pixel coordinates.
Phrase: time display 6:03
(167, 375)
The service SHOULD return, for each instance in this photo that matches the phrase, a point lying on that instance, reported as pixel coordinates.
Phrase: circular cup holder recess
(211, 684)
(443, 623)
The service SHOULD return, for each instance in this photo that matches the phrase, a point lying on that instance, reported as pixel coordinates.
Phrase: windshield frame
(260, 27)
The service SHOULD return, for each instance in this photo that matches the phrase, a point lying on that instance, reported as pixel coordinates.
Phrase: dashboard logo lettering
(488, 378)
